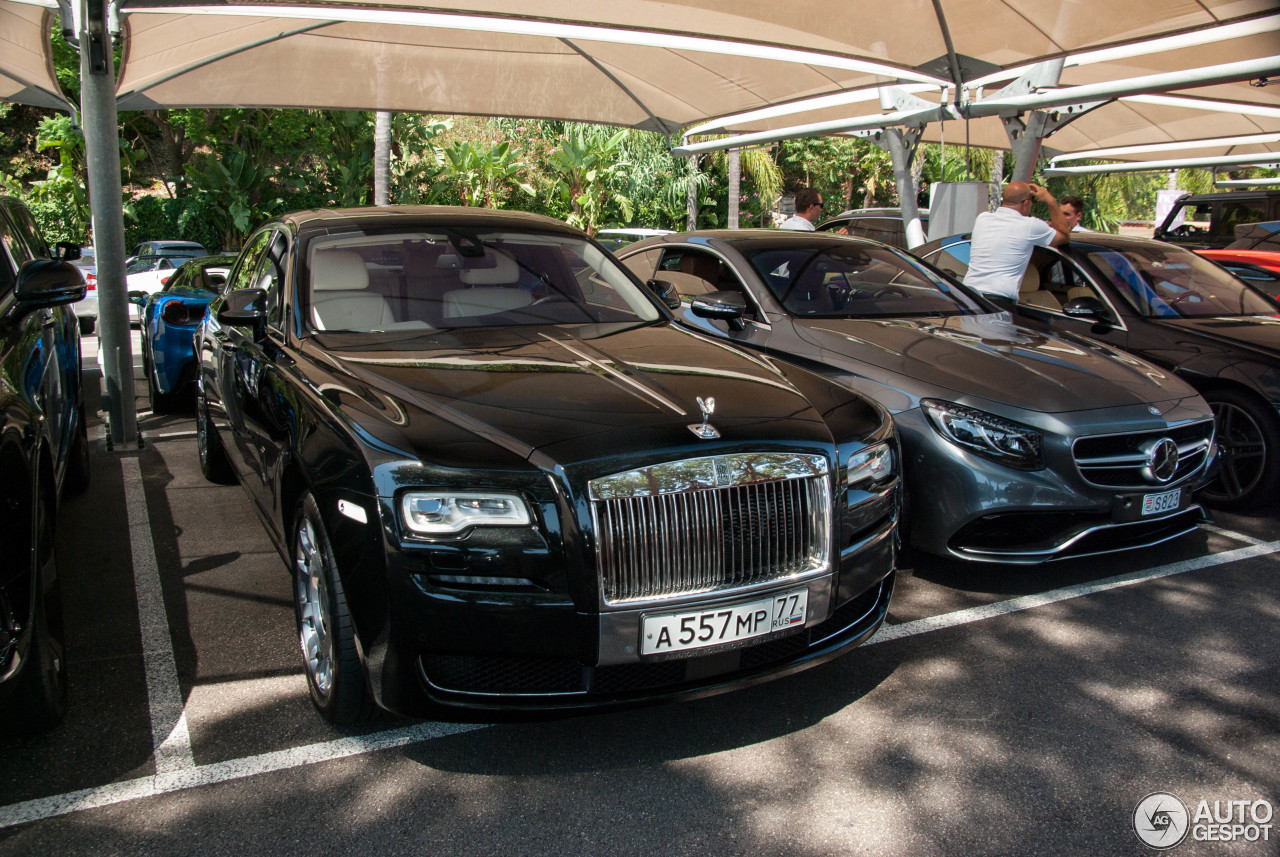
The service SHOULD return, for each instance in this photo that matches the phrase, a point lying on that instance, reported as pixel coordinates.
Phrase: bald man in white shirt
(1003, 240)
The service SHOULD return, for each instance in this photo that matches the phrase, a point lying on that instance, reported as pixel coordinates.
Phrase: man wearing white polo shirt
(1003, 240)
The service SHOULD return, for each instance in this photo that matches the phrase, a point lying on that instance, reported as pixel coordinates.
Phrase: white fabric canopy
(669, 65)
(26, 60)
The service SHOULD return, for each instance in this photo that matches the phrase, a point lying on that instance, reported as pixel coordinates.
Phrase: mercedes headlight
(446, 513)
(987, 434)
(870, 466)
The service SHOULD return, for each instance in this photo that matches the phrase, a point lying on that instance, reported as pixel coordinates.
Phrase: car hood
(592, 392)
(993, 358)
(1257, 333)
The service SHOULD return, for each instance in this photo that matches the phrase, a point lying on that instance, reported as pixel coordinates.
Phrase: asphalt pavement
(1001, 710)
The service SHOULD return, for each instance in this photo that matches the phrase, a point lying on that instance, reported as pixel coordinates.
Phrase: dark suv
(43, 450)
(1209, 220)
(878, 224)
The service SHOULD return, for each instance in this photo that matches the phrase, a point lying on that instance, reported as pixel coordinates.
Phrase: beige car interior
(340, 294)
(1031, 294)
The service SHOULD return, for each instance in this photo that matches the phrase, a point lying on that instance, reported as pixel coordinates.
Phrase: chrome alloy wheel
(1242, 453)
(311, 591)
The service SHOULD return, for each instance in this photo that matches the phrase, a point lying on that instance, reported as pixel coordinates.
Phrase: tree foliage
(230, 195)
(487, 174)
(590, 174)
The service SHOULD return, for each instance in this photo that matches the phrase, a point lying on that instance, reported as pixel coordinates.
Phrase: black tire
(213, 458)
(76, 480)
(86, 325)
(326, 634)
(161, 403)
(40, 698)
(1248, 434)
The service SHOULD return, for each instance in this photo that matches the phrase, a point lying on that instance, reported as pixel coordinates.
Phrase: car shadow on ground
(1012, 580)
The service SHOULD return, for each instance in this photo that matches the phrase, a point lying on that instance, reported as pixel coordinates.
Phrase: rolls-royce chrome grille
(710, 524)
(1144, 459)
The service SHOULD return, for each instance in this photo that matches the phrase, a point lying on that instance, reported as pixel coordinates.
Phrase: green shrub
(157, 217)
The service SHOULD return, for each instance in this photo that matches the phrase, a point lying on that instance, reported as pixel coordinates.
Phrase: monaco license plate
(697, 629)
(1166, 501)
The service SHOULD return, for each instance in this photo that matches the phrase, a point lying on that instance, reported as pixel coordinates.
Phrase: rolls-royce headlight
(987, 434)
(444, 513)
(871, 465)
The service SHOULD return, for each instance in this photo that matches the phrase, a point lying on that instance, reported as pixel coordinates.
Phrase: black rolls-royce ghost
(503, 478)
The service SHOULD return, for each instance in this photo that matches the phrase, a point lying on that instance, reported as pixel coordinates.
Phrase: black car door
(229, 365)
(1053, 282)
(262, 389)
(1063, 282)
(50, 374)
(1145, 322)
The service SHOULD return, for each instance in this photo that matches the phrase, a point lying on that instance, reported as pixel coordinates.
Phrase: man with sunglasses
(808, 210)
(1003, 240)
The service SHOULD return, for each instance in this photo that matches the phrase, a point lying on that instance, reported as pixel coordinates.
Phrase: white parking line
(1231, 534)
(170, 435)
(169, 733)
(1039, 599)
(221, 772)
(175, 767)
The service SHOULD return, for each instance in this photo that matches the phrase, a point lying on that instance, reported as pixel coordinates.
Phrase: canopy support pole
(1027, 135)
(901, 144)
(102, 153)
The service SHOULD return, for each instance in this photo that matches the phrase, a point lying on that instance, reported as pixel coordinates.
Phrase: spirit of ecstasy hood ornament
(706, 431)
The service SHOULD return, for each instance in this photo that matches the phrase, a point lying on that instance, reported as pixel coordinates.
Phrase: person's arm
(1057, 219)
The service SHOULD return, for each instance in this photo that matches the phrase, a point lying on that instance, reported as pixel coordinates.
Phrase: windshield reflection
(1160, 282)
(855, 282)
(446, 279)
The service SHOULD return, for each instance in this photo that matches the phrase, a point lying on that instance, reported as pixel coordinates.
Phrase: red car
(1254, 256)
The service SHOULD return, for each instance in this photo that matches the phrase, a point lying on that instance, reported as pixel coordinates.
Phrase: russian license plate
(696, 629)
(1167, 501)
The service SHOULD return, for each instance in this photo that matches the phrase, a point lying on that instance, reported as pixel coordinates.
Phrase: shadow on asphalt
(1036, 733)
(1012, 580)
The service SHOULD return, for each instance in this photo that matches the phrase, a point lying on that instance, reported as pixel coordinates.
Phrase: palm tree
(382, 158)
(757, 164)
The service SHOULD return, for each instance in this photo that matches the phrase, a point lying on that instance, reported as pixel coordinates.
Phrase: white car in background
(87, 310)
(148, 274)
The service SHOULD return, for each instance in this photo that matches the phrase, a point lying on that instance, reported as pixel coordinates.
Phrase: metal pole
(1246, 182)
(901, 157)
(1026, 152)
(1006, 105)
(1264, 160)
(102, 153)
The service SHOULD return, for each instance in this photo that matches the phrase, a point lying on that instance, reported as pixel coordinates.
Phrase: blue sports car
(169, 319)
